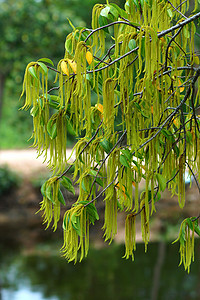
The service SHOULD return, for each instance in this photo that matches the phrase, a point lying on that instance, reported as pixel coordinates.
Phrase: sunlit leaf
(44, 67)
(47, 60)
(132, 44)
(33, 73)
(89, 57)
(105, 11)
(64, 68)
(34, 111)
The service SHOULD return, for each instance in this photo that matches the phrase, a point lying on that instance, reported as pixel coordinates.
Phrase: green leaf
(169, 12)
(197, 228)
(161, 181)
(43, 189)
(139, 155)
(93, 172)
(60, 197)
(44, 67)
(64, 224)
(68, 46)
(54, 104)
(190, 223)
(127, 6)
(75, 220)
(114, 11)
(140, 110)
(119, 206)
(158, 196)
(132, 44)
(47, 60)
(105, 11)
(32, 71)
(176, 150)
(121, 12)
(92, 212)
(127, 154)
(83, 186)
(54, 98)
(124, 161)
(48, 193)
(34, 111)
(167, 134)
(98, 180)
(189, 138)
(106, 145)
(102, 22)
(66, 182)
(136, 163)
(52, 129)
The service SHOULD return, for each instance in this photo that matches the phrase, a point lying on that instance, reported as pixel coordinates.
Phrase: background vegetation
(31, 30)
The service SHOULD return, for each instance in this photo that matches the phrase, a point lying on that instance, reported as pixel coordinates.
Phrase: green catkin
(110, 221)
(181, 183)
(187, 243)
(136, 195)
(144, 224)
(108, 104)
(50, 204)
(99, 36)
(30, 85)
(130, 236)
(73, 242)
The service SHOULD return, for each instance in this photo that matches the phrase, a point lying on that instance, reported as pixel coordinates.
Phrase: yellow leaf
(122, 188)
(99, 107)
(64, 68)
(180, 87)
(72, 64)
(89, 57)
(170, 49)
(175, 121)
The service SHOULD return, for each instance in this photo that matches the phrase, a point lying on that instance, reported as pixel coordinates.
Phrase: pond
(42, 274)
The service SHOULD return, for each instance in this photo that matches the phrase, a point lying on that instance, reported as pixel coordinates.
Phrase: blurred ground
(25, 162)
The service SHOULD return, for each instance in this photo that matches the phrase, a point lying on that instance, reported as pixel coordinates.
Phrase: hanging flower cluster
(140, 66)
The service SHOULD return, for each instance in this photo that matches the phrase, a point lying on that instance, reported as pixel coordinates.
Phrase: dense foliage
(141, 64)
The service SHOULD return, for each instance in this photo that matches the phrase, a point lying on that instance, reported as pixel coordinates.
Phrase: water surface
(43, 274)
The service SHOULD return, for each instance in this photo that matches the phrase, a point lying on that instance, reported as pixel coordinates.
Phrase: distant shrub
(8, 180)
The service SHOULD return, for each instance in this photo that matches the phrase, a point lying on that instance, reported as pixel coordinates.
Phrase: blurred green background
(31, 29)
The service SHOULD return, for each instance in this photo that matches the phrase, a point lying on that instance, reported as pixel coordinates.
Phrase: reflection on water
(103, 275)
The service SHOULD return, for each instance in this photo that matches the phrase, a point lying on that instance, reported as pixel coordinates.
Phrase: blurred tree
(32, 29)
(29, 29)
